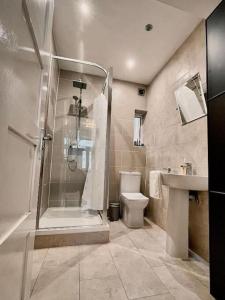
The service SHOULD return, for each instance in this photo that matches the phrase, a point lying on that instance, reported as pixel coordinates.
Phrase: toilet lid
(134, 196)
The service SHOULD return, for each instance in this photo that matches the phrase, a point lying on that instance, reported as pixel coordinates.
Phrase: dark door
(216, 51)
(216, 142)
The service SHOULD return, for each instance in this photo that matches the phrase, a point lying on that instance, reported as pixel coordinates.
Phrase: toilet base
(133, 218)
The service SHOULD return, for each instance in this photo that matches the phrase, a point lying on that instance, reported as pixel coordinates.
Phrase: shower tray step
(60, 237)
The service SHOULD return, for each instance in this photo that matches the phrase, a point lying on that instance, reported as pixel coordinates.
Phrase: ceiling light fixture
(130, 63)
(148, 27)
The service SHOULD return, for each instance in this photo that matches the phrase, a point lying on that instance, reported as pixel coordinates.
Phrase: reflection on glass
(191, 100)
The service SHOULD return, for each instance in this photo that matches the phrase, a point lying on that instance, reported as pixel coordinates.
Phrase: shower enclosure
(74, 179)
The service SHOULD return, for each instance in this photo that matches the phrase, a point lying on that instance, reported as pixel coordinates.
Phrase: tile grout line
(118, 272)
(39, 272)
(151, 268)
(100, 278)
(158, 276)
(168, 292)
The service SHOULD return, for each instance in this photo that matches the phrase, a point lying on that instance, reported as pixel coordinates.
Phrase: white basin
(185, 182)
(178, 210)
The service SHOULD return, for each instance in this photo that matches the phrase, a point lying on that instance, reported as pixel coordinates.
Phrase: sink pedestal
(178, 210)
(177, 223)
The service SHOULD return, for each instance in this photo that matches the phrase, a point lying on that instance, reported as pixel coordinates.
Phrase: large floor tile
(57, 284)
(102, 289)
(199, 270)
(153, 258)
(167, 278)
(62, 257)
(96, 262)
(138, 278)
(191, 294)
(148, 247)
(133, 265)
(142, 240)
(123, 241)
(118, 229)
(157, 233)
(181, 282)
(59, 275)
(180, 274)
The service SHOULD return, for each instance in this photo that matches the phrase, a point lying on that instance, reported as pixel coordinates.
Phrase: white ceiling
(111, 32)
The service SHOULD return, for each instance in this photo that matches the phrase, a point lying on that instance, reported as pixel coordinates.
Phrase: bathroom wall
(123, 154)
(168, 143)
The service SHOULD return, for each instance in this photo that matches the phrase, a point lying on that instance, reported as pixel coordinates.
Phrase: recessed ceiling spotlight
(148, 27)
(130, 63)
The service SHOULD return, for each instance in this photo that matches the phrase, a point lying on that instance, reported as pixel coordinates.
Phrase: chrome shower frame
(108, 85)
(87, 63)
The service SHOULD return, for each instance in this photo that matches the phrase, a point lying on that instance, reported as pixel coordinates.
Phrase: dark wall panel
(217, 244)
(216, 51)
(216, 135)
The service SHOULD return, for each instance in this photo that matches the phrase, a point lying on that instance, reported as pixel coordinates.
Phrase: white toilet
(132, 201)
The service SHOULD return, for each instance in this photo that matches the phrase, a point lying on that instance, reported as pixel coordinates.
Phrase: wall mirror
(190, 100)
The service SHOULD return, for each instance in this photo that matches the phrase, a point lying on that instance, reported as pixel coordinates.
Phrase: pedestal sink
(178, 210)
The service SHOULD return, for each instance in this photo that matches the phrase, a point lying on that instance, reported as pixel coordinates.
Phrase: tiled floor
(58, 217)
(132, 266)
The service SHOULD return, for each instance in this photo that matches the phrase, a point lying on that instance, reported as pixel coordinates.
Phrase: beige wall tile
(121, 142)
(115, 158)
(124, 156)
(133, 159)
(114, 192)
(114, 175)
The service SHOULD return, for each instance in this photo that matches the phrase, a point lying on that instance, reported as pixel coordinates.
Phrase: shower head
(79, 84)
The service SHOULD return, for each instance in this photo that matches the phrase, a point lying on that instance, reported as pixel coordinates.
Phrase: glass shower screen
(77, 162)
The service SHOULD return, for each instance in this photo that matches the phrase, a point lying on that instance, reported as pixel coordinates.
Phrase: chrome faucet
(167, 169)
(186, 168)
(189, 168)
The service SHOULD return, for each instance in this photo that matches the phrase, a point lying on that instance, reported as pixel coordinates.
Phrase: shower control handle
(47, 137)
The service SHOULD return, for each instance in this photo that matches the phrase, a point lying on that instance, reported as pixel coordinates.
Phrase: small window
(139, 117)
